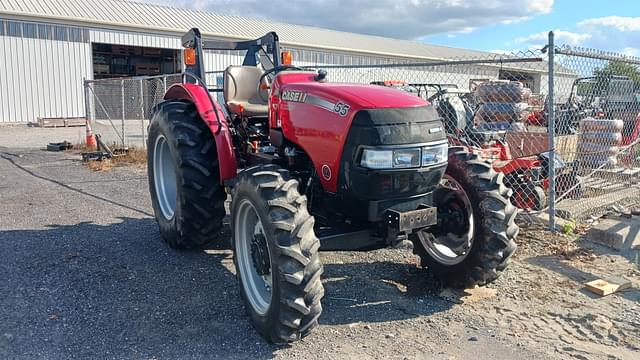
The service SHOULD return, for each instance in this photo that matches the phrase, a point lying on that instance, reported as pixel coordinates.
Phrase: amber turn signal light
(189, 56)
(287, 58)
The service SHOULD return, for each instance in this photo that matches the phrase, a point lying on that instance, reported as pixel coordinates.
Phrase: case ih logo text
(295, 96)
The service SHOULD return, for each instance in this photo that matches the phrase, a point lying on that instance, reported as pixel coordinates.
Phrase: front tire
(276, 254)
(475, 236)
(184, 179)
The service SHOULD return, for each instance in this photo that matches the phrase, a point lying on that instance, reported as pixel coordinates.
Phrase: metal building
(47, 48)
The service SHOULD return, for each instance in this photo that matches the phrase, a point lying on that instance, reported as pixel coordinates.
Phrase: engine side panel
(219, 129)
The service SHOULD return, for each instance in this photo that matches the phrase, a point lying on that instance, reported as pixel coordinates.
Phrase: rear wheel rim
(256, 279)
(164, 176)
(446, 246)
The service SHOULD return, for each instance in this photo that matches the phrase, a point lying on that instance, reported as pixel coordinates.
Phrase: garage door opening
(111, 61)
(527, 79)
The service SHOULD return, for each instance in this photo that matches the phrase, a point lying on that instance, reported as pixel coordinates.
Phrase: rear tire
(491, 234)
(529, 196)
(184, 179)
(269, 218)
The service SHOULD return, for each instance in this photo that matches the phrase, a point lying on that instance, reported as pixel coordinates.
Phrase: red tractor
(313, 165)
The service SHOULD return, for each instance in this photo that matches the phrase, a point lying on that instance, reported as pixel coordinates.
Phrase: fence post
(551, 129)
(142, 112)
(87, 110)
(123, 112)
(164, 83)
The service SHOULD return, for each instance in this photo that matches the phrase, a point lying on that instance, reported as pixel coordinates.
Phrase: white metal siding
(42, 78)
(562, 86)
(135, 39)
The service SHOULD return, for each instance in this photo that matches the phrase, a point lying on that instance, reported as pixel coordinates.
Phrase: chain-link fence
(119, 109)
(512, 109)
(597, 122)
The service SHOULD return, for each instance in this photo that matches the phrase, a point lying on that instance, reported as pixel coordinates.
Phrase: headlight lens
(406, 158)
(377, 159)
(403, 158)
(436, 154)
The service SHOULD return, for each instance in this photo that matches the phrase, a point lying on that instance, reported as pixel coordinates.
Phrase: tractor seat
(241, 91)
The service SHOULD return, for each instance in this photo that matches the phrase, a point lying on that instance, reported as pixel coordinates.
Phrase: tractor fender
(207, 109)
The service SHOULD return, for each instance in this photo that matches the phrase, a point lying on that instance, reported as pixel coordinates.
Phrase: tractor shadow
(87, 290)
(379, 291)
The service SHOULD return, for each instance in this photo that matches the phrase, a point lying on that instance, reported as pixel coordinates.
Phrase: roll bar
(268, 44)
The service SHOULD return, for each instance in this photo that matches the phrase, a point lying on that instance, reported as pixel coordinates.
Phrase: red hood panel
(359, 96)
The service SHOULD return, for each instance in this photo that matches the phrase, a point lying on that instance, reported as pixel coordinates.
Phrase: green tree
(604, 79)
(619, 68)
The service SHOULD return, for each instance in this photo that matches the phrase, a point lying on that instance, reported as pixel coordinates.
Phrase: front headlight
(404, 158)
(435, 154)
(390, 158)
(377, 159)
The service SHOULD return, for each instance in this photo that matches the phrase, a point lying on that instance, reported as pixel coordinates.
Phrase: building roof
(156, 18)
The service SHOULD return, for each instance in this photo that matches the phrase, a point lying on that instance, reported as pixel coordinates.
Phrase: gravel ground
(27, 136)
(85, 275)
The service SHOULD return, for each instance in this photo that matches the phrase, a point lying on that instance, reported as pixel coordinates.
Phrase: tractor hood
(332, 122)
(357, 96)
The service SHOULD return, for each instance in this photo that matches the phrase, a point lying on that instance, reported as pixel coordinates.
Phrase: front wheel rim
(257, 286)
(448, 247)
(164, 176)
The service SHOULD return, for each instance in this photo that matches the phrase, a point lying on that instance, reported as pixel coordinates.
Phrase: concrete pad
(597, 205)
(617, 232)
(527, 219)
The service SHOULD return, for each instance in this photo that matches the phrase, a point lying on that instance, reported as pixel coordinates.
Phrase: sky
(491, 25)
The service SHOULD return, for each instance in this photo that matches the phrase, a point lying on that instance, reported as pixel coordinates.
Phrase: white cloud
(515, 21)
(406, 19)
(561, 37)
(540, 7)
(620, 23)
(519, 52)
(612, 33)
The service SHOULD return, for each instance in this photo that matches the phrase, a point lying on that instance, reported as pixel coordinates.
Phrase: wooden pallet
(61, 122)
(147, 69)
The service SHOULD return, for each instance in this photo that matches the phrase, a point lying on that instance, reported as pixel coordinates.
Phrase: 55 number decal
(341, 108)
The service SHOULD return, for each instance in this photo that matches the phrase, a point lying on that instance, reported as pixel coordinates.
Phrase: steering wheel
(267, 73)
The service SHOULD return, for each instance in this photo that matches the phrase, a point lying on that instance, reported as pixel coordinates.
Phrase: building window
(60, 33)
(14, 29)
(76, 35)
(29, 30)
(43, 31)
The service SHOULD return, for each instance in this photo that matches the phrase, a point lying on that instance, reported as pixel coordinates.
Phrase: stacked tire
(599, 141)
(502, 101)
